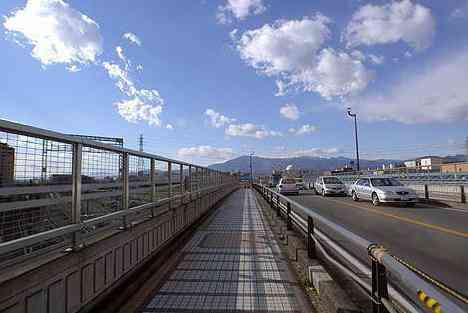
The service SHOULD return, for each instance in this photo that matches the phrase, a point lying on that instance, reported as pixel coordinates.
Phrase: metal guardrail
(391, 284)
(55, 188)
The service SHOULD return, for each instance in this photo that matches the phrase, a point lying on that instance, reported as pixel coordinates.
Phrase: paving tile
(232, 264)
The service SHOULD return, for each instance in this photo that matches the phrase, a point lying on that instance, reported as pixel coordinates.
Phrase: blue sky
(400, 65)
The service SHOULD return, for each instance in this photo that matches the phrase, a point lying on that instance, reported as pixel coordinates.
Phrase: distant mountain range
(264, 166)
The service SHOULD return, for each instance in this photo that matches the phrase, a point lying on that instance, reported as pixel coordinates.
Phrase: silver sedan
(382, 189)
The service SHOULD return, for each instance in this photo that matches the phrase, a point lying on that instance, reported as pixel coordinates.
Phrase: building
(454, 167)
(427, 163)
(431, 163)
(7, 164)
(412, 163)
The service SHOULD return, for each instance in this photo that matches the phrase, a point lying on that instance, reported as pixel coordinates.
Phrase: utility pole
(251, 154)
(354, 115)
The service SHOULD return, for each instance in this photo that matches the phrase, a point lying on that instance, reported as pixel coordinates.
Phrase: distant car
(382, 190)
(288, 186)
(300, 183)
(329, 185)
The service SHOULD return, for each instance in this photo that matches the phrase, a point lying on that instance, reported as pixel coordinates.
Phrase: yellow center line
(407, 220)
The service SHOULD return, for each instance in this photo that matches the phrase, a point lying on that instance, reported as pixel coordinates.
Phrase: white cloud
(399, 20)
(206, 152)
(239, 9)
(290, 50)
(461, 11)
(316, 152)
(57, 32)
(170, 127)
(437, 94)
(132, 38)
(143, 105)
(135, 110)
(306, 129)
(290, 111)
(250, 130)
(218, 120)
(376, 59)
(310, 152)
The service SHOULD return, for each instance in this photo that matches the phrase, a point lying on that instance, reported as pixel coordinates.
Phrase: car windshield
(385, 182)
(288, 181)
(331, 180)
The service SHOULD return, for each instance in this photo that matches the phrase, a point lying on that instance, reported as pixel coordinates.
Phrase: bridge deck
(232, 264)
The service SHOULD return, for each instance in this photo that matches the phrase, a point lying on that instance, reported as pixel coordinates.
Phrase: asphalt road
(431, 238)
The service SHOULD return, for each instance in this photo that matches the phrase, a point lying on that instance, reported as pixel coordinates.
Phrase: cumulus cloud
(57, 33)
(396, 21)
(306, 129)
(250, 130)
(438, 94)
(316, 152)
(290, 111)
(206, 152)
(309, 152)
(132, 38)
(135, 110)
(291, 52)
(461, 11)
(143, 105)
(218, 120)
(170, 127)
(239, 9)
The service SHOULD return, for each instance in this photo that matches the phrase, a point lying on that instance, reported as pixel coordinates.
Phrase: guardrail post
(310, 240)
(76, 191)
(462, 194)
(379, 281)
(426, 192)
(125, 187)
(289, 222)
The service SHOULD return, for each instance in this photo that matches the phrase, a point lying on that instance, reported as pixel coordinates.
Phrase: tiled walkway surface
(232, 264)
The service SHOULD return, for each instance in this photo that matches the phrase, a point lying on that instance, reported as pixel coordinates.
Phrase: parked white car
(288, 186)
(329, 185)
(382, 189)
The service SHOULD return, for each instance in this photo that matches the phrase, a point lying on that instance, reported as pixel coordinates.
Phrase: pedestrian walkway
(232, 264)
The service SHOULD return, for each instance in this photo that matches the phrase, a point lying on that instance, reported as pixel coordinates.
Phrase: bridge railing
(391, 283)
(57, 190)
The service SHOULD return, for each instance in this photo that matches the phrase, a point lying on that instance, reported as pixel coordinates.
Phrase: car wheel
(354, 196)
(375, 199)
(316, 192)
(323, 193)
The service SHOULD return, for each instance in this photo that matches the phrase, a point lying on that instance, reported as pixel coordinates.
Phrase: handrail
(417, 290)
(13, 245)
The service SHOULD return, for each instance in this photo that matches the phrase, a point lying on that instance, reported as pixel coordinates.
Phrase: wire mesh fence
(51, 182)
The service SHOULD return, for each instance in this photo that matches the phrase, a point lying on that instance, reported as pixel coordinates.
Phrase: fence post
(278, 208)
(181, 175)
(310, 241)
(125, 187)
(289, 222)
(153, 184)
(76, 191)
(190, 181)
(462, 194)
(426, 192)
(379, 281)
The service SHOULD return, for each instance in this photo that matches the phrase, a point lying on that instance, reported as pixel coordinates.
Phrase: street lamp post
(355, 136)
